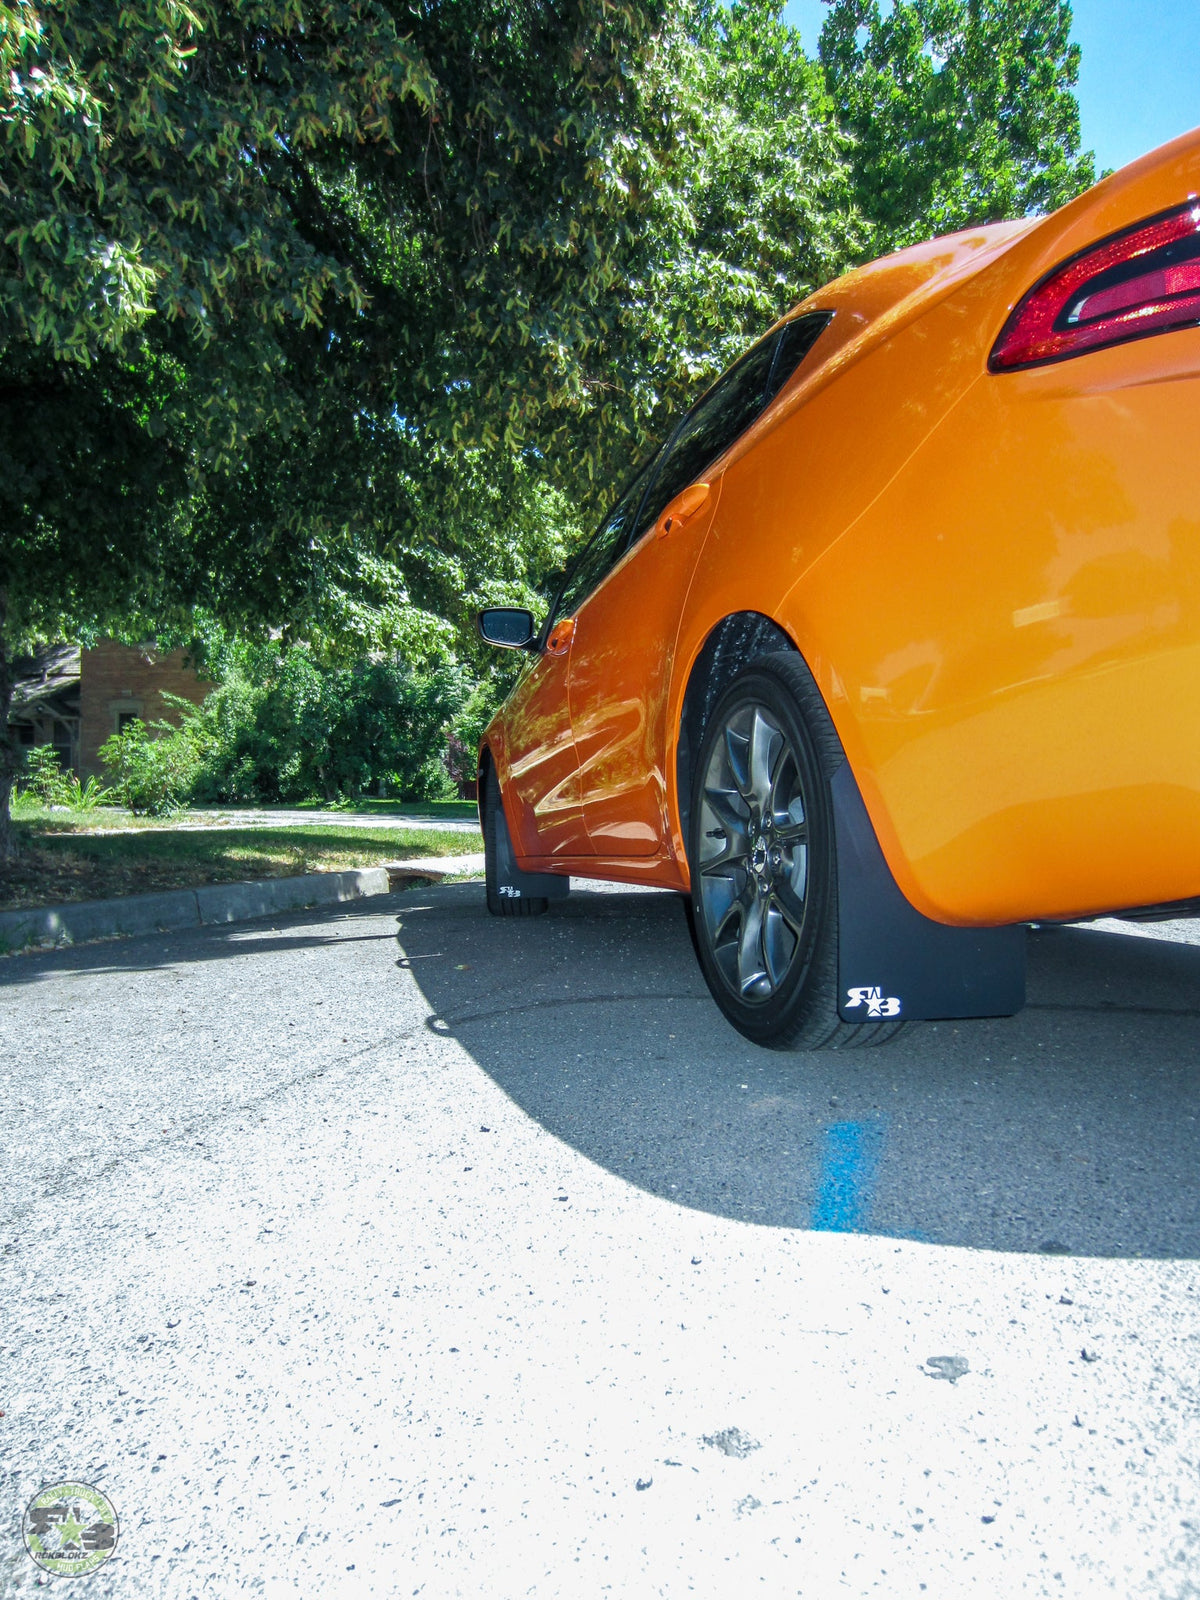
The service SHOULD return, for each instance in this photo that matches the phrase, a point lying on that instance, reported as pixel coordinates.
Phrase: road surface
(396, 1250)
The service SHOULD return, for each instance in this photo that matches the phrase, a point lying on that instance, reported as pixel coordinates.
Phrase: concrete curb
(187, 908)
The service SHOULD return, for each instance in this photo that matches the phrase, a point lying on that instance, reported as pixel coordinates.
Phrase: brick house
(45, 702)
(74, 699)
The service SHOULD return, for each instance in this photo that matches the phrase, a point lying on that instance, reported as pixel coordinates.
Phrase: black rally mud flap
(514, 884)
(894, 962)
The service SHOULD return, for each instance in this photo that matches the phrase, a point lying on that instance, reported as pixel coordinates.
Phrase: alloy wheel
(753, 853)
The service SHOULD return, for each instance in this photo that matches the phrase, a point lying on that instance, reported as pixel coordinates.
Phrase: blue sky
(1139, 84)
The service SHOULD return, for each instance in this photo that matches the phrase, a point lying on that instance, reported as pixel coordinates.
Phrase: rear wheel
(504, 899)
(762, 861)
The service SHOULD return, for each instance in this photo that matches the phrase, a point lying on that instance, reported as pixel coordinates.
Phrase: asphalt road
(481, 1258)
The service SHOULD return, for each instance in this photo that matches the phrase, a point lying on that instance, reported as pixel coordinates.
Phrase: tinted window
(602, 549)
(728, 409)
(706, 432)
(796, 340)
(711, 426)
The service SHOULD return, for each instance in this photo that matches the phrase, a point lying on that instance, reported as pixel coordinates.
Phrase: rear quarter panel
(1008, 632)
(995, 579)
(806, 473)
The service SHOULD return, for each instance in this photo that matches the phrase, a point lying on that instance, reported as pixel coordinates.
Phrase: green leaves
(720, 200)
(339, 317)
(963, 111)
(135, 145)
(280, 726)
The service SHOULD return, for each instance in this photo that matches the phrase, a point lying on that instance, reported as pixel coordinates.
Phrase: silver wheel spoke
(783, 767)
(733, 919)
(791, 909)
(722, 804)
(762, 736)
(751, 966)
(779, 942)
(735, 754)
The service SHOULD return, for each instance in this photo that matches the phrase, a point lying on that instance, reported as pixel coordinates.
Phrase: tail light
(1144, 280)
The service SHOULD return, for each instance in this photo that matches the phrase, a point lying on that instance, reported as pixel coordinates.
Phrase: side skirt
(894, 962)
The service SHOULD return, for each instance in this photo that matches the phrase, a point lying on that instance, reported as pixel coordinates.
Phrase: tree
(292, 292)
(739, 204)
(189, 265)
(963, 111)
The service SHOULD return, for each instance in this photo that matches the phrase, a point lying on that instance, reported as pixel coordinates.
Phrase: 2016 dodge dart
(894, 646)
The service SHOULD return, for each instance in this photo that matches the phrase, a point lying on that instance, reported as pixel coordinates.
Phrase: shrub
(42, 778)
(462, 767)
(466, 731)
(42, 782)
(391, 724)
(153, 768)
(86, 796)
(280, 727)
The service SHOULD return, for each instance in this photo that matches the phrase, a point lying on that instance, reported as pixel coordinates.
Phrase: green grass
(61, 859)
(456, 809)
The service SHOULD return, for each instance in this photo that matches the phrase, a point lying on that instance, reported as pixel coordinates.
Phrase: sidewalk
(281, 817)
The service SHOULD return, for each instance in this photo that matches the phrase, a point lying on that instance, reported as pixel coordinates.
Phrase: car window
(795, 341)
(602, 549)
(728, 409)
(711, 426)
(706, 432)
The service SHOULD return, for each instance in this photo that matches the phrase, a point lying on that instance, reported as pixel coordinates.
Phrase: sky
(1139, 83)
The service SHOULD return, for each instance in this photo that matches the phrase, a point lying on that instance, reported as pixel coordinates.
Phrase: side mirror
(508, 627)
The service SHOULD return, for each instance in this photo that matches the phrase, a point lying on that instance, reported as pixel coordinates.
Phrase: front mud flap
(894, 962)
(515, 884)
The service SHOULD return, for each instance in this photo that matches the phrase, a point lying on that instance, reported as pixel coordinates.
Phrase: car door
(543, 787)
(625, 631)
(542, 791)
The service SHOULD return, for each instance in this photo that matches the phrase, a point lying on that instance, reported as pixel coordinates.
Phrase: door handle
(683, 506)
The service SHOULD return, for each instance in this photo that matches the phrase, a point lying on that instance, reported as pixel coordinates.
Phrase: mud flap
(894, 962)
(511, 882)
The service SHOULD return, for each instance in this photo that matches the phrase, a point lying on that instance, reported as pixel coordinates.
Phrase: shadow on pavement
(152, 953)
(1069, 1129)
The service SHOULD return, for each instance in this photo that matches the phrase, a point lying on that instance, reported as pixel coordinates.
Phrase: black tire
(763, 906)
(498, 855)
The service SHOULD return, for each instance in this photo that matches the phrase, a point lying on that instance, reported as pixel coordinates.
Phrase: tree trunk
(8, 748)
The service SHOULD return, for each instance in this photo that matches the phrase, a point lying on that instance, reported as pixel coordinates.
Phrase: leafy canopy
(240, 240)
(963, 111)
(272, 278)
(337, 316)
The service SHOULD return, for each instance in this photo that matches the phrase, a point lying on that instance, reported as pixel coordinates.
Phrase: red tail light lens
(1142, 281)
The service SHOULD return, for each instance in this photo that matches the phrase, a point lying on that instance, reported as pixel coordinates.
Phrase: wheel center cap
(759, 857)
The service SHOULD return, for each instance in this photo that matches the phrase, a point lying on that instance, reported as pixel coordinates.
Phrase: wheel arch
(887, 951)
(484, 760)
(485, 763)
(727, 647)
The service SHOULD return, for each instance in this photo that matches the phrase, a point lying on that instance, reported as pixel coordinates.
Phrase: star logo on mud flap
(877, 1003)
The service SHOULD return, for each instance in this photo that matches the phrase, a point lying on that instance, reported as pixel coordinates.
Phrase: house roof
(46, 681)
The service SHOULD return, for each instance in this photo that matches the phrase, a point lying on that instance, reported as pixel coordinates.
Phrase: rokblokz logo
(70, 1529)
(877, 1004)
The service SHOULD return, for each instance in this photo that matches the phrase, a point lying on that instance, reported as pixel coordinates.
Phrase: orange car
(894, 646)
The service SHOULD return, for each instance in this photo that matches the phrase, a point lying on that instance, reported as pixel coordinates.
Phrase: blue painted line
(846, 1183)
